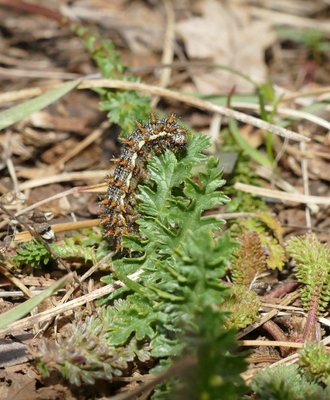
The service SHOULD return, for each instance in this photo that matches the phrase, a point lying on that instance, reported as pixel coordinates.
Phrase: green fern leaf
(180, 267)
(69, 249)
(132, 316)
(33, 253)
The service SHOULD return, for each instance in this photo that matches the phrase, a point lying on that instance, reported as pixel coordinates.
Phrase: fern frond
(69, 249)
(33, 254)
(175, 301)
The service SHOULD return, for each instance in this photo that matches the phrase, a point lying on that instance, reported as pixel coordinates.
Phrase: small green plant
(260, 248)
(266, 95)
(313, 271)
(286, 382)
(260, 240)
(180, 265)
(315, 362)
(247, 262)
(308, 380)
(34, 254)
(312, 38)
(87, 355)
(244, 172)
(217, 371)
(242, 306)
(269, 232)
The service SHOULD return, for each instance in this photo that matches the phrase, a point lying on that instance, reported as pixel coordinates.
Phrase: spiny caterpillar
(155, 136)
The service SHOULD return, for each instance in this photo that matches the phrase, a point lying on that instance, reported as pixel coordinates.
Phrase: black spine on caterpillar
(156, 135)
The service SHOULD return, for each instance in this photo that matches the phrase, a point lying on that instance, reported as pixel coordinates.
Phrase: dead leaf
(141, 26)
(318, 169)
(54, 392)
(18, 384)
(223, 34)
(45, 120)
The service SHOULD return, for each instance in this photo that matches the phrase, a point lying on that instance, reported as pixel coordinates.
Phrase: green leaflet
(35, 254)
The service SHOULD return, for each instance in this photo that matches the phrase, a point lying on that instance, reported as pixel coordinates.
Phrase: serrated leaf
(70, 249)
(132, 317)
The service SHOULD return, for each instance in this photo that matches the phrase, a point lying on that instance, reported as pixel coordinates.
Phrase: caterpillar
(155, 136)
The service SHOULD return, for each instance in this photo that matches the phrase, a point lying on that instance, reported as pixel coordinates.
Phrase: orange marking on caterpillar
(119, 204)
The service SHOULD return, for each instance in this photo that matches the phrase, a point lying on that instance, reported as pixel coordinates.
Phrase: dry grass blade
(12, 278)
(168, 52)
(277, 194)
(24, 110)
(275, 343)
(22, 94)
(8, 318)
(64, 308)
(25, 236)
(65, 177)
(194, 102)
(297, 114)
(279, 18)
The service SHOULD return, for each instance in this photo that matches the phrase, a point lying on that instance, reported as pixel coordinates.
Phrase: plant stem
(277, 333)
(309, 333)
